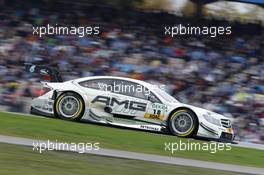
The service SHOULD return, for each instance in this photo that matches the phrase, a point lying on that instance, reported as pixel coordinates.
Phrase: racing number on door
(156, 112)
(155, 115)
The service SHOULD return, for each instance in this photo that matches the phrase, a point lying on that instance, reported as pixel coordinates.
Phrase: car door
(127, 99)
(135, 101)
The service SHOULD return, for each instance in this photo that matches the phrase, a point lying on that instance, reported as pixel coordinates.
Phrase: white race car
(129, 103)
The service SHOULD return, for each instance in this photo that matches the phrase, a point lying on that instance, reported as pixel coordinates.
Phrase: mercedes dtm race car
(126, 102)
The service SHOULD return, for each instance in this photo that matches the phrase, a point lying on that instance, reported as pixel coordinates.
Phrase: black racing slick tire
(183, 123)
(69, 106)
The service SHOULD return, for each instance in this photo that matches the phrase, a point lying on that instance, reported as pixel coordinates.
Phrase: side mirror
(151, 98)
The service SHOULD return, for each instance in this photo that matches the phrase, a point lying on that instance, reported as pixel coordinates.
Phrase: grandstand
(224, 74)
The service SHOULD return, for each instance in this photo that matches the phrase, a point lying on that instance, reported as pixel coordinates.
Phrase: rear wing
(47, 72)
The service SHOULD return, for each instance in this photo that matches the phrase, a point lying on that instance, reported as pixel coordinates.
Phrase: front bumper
(210, 131)
(226, 137)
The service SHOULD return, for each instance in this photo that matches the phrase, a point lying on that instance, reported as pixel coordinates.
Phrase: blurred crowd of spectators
(224, 74)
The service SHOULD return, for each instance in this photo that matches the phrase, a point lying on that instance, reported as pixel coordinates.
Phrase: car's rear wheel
(69, 106)
(183, 123)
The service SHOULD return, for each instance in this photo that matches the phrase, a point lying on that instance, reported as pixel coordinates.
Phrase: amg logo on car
(133, 105)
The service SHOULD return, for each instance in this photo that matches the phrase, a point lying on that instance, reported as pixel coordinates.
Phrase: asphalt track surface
(141, 156)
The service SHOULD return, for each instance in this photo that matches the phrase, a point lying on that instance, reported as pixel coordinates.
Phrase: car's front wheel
(183, 123)
(69, 106)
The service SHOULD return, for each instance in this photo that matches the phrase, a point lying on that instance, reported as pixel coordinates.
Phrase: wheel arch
(186, 108)
(60, 93)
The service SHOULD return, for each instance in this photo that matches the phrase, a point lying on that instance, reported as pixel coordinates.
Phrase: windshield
(165, 95)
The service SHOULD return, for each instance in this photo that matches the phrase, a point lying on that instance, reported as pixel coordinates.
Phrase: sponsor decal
(229, 130)
(32, 68)
(44, 71)
(127, 104)
(159, 106)
(149, 127)
(154, 116)
(158, 110)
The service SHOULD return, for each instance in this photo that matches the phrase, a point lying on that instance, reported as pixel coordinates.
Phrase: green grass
(136, 141)
(18, 160)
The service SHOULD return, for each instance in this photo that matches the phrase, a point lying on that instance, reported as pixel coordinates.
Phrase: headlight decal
(209, 118)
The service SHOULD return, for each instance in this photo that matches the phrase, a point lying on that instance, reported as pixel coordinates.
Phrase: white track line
(147, 157)
(249, 145)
